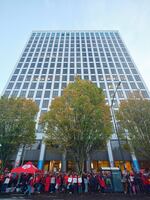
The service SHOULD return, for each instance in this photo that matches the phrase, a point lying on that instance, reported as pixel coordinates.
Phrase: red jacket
(101, 182)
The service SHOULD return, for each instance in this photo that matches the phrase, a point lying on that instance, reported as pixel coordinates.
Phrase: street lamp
(115, 123)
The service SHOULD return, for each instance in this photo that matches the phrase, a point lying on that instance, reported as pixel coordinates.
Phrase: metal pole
(115, 124)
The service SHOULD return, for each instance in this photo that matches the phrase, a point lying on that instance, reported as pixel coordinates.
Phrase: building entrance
(121, 164)
(52, 165)
(97, 164)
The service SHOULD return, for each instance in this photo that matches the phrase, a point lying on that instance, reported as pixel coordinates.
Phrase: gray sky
(19, 17)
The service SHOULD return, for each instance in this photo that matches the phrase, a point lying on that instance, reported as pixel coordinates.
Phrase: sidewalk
(95, 196)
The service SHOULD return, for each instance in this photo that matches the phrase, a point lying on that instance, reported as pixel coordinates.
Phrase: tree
(78, 121)
(17, 125)
(134, 116)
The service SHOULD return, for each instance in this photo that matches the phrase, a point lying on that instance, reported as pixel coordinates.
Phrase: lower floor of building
(52, 160)
(96, 165)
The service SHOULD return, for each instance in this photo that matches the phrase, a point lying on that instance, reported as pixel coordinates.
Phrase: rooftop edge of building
(75, 31)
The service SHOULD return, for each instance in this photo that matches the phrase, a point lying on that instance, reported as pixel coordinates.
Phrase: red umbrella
(27, 168)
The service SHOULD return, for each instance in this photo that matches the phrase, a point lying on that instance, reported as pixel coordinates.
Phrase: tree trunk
(88, 163)
(80, 166)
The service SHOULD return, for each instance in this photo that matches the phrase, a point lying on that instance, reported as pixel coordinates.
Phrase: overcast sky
(19, 17)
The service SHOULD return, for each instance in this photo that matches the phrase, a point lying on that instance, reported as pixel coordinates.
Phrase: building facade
(52, 59)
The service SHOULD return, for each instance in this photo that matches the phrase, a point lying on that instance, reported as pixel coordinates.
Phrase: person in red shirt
(65, 182)
(146, 180)
(47, 183)
(2, 178)
(101, 182)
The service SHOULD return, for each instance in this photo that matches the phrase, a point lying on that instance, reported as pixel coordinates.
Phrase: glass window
(18, 85)
(51, 71)
(56, 85)
(64, 71)
(120, 94)
(31, 94)
(35, 78)
(108, 77)
(125, 85)
(57, 71)
(64, 78)
(13, 78)
(65, 65)
(127, 71)
(85, 65)
(93, 78)
(145, 94)
(28, 78)
(37, 71)
(33, 86)
(48, 86)
(71, 78)
(99, 71)
(10, 85)
(19, 65)
(30, 71)
(78, 65)
(71, 71)
(130, 78)
(110, 85)
(14, 94)
(102, 85)
(45, 104)
(41, 85)
(101, 78)
(52, 65)
(113, 71)
(120, 71)
(44, 71)
(57, 78)
(63, 85)
(137, 78)
(47, 94)
(39, 65)
(25, 85)
(141, 85)
(115, 77)
(58, 65)
(86, 77)
(133, 85)
(134, 71)
(106, 71)
(78, 71)
(92, 71)
(55, 93)
(38, 94)
(85, 71)
(37, 102)
(22, 94)
(123, 78)
(7, 93)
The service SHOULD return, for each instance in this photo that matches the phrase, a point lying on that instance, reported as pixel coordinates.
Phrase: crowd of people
(57, 182)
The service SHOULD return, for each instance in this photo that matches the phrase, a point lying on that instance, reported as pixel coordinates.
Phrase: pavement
(95, 196)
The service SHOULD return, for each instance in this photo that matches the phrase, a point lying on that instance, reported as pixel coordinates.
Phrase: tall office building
(52, 59)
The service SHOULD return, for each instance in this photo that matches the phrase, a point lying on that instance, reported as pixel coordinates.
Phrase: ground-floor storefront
(51, 160)
(96, 165)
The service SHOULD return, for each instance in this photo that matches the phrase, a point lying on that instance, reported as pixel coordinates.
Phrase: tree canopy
(17, 125)
(134, 115)
(78, 121)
